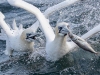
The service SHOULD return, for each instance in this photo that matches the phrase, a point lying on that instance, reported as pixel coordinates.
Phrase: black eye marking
(28, 34)
(60, 28)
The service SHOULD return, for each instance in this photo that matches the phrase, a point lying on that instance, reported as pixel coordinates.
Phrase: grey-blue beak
(31, 36)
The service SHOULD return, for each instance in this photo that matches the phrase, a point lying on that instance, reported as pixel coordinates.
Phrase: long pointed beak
(31, 35)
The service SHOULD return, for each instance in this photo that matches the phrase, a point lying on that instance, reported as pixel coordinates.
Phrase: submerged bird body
(17, 42)
(58, 47)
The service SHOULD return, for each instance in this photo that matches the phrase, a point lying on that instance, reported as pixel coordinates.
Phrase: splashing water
(81, 16)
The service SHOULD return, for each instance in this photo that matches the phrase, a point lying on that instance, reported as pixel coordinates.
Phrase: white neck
(59, 38)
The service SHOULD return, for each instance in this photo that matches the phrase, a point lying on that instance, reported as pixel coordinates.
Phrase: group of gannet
(20, 39)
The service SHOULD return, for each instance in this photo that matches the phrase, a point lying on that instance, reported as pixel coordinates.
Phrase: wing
(3, 36)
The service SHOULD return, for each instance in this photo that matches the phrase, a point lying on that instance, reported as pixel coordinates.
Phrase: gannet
(18, 39)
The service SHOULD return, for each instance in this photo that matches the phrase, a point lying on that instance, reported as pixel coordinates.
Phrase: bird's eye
(28, 34)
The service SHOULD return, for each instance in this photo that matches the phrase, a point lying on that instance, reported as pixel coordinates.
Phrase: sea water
(82, 16)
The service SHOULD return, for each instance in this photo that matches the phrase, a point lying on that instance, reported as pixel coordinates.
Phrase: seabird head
(30, 37)
(63, 29)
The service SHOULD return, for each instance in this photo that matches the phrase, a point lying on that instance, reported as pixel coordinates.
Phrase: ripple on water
(81, 16)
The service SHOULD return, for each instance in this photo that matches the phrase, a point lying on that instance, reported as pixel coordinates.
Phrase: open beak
(31, 36)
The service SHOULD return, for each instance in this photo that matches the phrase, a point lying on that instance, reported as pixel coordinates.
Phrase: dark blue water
(81, 16)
